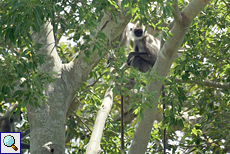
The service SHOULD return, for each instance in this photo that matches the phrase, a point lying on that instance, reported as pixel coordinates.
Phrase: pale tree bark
(47, 122)
(95, 139)
(161, 68)
(47, 128)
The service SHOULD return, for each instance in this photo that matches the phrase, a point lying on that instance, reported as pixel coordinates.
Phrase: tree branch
(207, 83)
(161, 68)
(176, 12)
(79, 69)
(46, 38)
(94, 143)
(228, 6)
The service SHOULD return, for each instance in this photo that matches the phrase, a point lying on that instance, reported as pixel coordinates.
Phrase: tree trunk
(47, 122)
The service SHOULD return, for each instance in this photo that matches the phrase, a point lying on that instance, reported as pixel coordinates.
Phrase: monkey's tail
(164, 107)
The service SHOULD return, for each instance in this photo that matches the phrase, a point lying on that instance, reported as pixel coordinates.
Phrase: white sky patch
(179, 150)
(65, 40)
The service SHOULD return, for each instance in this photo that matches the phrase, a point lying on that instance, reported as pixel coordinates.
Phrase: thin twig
(226, 3)
(207, 83)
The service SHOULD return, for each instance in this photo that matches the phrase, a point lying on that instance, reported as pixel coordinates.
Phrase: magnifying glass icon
(9, 141)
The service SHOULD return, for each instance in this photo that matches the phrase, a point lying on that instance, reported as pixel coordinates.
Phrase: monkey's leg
(141, 64)
(148, 58)
(143, 55)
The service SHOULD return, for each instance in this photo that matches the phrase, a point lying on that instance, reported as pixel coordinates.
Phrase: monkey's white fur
(145, 48)
(145, 41)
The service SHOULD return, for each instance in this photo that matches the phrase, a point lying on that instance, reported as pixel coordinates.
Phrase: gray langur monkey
(145, 49)
(143, 57)
(7, 123)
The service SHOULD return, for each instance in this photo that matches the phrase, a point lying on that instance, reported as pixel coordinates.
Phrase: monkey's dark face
(138, 32)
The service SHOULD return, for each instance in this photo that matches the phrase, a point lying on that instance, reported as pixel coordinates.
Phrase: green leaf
(181, 123)
(194, 131)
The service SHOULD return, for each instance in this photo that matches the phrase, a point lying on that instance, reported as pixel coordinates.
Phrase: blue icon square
(10, 143)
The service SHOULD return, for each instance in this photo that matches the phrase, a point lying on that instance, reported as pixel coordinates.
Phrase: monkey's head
(129, 31)
(138, 31)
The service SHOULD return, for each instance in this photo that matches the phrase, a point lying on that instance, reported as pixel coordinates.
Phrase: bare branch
(46, 38)
(94, 143)
(226, 3)
(207, 83)
(91, 85)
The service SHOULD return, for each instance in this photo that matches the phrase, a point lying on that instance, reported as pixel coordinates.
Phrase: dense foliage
(200, 111)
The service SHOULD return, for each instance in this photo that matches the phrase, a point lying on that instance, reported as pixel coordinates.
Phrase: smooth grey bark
(47, 122)
(94, 144)
(161, 68)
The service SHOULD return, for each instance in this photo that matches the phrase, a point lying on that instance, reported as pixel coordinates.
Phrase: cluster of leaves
(18, 17)
(206, 58)
(78, 23)
(20, 79)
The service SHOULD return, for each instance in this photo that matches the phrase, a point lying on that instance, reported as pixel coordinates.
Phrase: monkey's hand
(131, 57)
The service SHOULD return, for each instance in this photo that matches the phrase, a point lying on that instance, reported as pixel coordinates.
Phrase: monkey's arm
(142, 55)
(137, 53)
